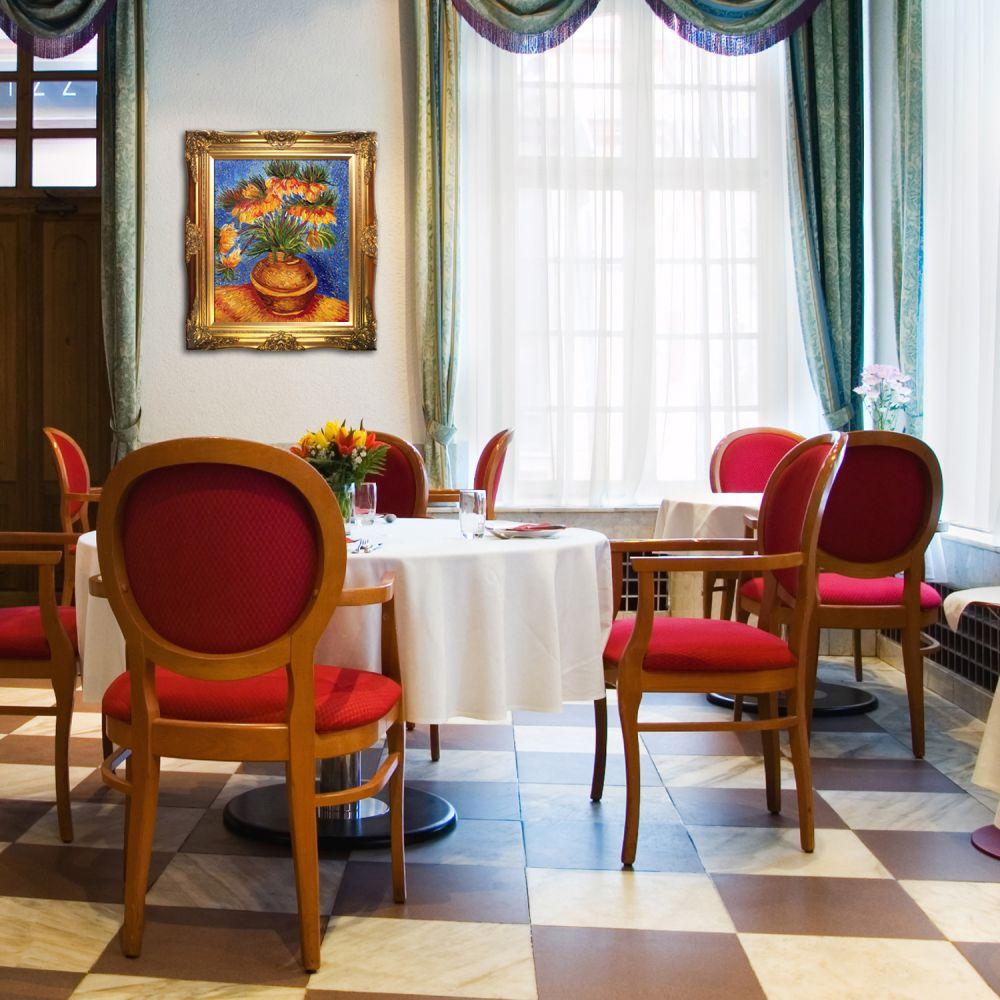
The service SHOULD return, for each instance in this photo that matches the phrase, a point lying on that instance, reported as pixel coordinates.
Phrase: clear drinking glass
(365, 503)
(472, 513)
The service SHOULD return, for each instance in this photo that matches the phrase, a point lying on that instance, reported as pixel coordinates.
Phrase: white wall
(252, 64)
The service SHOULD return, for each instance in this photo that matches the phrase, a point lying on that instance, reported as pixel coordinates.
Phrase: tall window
(48, 119)
(626, 287)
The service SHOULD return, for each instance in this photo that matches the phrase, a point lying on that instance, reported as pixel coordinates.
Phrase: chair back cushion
(496, 444)
(746, 459)
(881, 501)
(219, 558)
(402, 485)
(74, 474)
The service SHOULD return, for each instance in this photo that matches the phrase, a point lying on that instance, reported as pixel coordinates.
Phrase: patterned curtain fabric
(437, 224)
(121, 216)
(54, 28)
(734, 27)
(525, 25)
(826, 178)
(908, 200)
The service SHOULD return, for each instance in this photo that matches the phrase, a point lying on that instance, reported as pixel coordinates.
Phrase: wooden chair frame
(67, 497)
(498, 452)
(295, 741)
(632, 680)
(417, 467)
(45, 549)
(907, 617)
(726, 583)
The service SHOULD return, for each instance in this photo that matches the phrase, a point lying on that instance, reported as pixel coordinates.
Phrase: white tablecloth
(485, 626)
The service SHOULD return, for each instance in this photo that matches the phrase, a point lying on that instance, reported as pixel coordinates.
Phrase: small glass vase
(344, 492)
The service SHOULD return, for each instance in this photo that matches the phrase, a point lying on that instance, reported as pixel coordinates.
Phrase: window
(48, 119)
(626, 291)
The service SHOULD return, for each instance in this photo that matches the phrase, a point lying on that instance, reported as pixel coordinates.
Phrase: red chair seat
(22, 635)
(345, 698)
(851, 590)
(703, 644)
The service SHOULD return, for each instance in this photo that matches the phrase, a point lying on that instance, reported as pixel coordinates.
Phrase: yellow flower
(230, 260)
(360, 437)
(317, 440)
(227, 238)
(331, 429)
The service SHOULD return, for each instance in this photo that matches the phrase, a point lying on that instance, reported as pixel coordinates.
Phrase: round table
(485, 626)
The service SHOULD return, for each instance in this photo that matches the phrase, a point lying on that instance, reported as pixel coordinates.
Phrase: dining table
(485, 626)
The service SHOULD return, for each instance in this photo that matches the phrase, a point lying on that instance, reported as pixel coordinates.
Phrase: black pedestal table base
(830, 700)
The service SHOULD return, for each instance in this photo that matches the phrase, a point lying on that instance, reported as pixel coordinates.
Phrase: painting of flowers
(281, 240)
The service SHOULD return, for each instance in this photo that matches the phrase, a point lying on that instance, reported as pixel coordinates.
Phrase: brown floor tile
(8, 723)
(922, 854)
(709, 744)
(842, 907)
(460, 737)
(845, 724)
(68, 872)
(476, 799)
(35, 984)
(863, 774)
(985, 959)
(83, 751)
(745, 807)
(346, 995)
(184, 789)
(17, 816)
(591, 964)
(435, 892)
(224, 946)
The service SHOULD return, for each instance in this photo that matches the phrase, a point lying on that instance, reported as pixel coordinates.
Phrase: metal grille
(973, 650)
(630, 586)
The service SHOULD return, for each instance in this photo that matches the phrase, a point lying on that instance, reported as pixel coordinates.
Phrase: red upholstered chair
(658, 653)
(742, 463)
(39, 642)
(223, 562)
(883, 512)
(489, 469)
(75, 496)
(403, 485)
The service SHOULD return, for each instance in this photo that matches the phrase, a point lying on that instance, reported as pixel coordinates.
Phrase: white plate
(537, 533)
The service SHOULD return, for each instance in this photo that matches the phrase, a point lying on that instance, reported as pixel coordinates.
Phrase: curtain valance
(525, 26)
(734, 27)
(55, 28)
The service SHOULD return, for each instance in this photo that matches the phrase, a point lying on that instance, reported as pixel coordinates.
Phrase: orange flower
(227, 238)
(345, 440)
(251, 203)
(230, 260)
(316, 215)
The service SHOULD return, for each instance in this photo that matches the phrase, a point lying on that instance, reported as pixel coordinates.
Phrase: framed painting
(280, 240)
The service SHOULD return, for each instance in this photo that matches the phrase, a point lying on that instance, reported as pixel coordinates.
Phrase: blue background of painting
(332, 267)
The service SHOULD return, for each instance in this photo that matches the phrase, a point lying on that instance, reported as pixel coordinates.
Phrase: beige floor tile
(567, 739)
(240, 783)
(101, 824)
(790, 967)
(430, 957)
(632, 900)
(200, 766)
(35, 781)
(963, 911)
(82, 724)
(140, 988)
(775, 851)
(881, 746)
(39, 697)
(491, 842)
(683, 770)
(237, 882)
(464, 765)
(55, 934)
(879, 810)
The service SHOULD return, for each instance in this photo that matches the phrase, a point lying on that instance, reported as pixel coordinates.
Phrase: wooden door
(52, 369)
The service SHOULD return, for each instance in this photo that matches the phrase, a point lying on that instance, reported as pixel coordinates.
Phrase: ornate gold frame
(201, 149)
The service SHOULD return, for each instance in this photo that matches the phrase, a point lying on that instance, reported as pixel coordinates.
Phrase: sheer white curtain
(962, 265)
(627, 295)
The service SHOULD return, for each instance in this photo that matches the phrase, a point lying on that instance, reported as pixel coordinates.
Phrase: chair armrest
(47, 538)
(643, 545)
(693, 564)
(96, 586)
(357, 597)
(35, 557)
(443, 496)
(750, 521)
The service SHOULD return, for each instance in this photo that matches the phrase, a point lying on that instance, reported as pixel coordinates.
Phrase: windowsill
(557, 509)
(972, 537)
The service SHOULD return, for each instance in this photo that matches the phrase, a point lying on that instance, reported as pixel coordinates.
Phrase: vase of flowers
(344, 457)
(887, 393)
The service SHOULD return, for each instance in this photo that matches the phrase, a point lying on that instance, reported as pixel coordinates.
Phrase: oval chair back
(489, 468)
(884, 508)
(74, 477)
(403, 487)
(744, 460)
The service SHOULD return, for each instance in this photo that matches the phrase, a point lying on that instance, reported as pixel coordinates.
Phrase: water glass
(472, 513)
(364, 503)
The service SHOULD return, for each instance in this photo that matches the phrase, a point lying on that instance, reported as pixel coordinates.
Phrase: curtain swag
(55, 28)
(525, 26)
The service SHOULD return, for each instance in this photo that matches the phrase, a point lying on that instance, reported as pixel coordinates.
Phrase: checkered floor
(526, 897)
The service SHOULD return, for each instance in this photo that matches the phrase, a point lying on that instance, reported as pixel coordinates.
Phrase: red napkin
(544, 526)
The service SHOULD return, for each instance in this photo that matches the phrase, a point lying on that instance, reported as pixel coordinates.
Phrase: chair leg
(107, 747)
(913, 668)
(64, 689)
(812, 670)
(857, 655)
(69, 578)
(600, 748)
(742, 613)
(728, 598)
(629, 714)
(300, 778)
(145, 777)
(767, 708)
(396, 743)
(798, 739)
(435, 741)
(737, 708)
(410, 726)
(708, 581)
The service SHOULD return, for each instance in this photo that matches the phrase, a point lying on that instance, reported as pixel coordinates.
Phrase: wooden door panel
(11, 394)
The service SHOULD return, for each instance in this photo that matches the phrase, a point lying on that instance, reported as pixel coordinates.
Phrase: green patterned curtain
(908, 199)
(121, 216)
(54, 28)
(526, 25)
(436, 224)
(826, 181)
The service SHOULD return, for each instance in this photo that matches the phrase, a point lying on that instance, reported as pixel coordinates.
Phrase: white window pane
(8, 104)
(85, 58)
(64, 162)
(8, 54)
(65, 104)
(8, 162)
